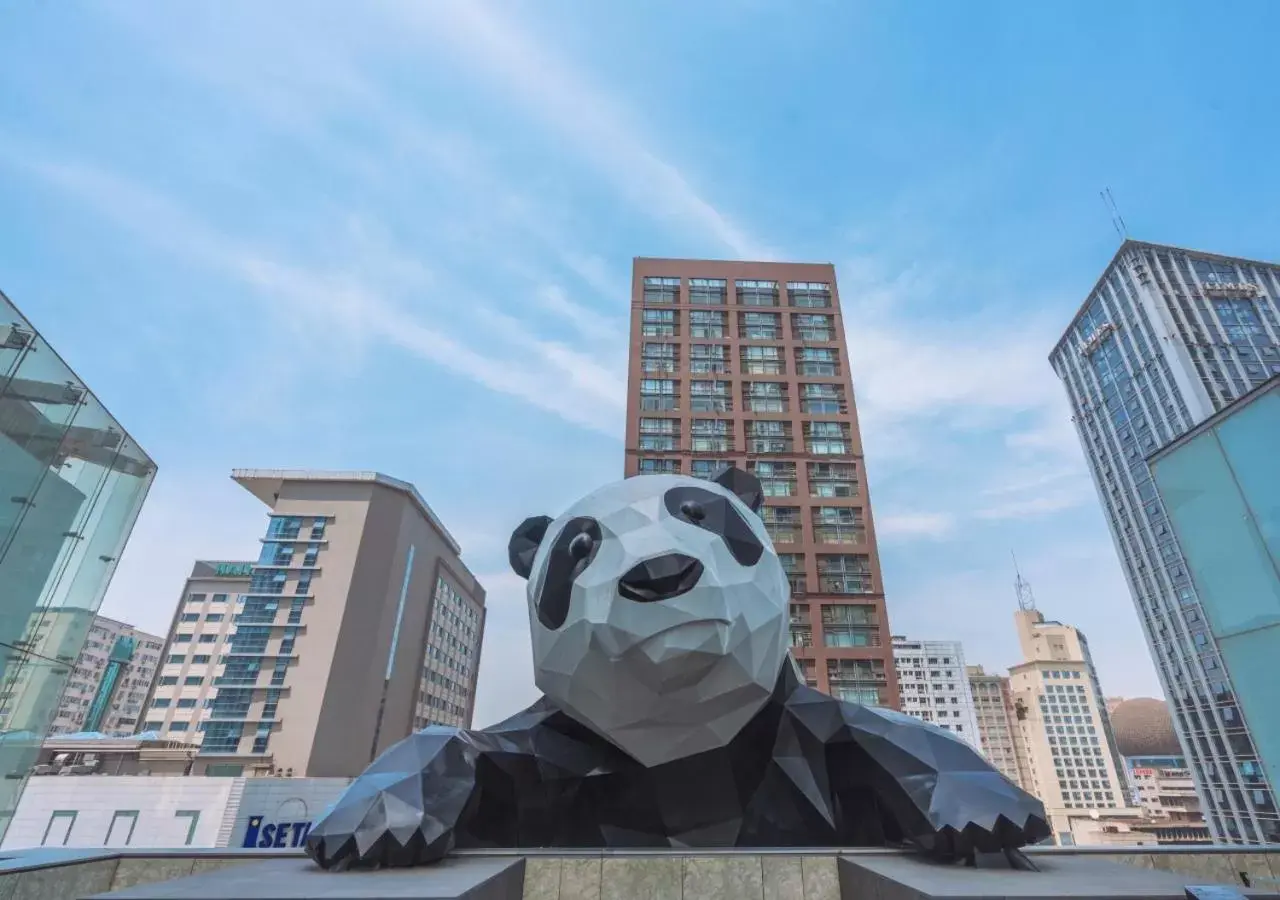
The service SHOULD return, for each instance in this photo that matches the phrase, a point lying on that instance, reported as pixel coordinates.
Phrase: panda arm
(407, 808)
(930, 790)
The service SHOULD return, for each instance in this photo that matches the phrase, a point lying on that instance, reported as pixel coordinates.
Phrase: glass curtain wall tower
(71, 484)
(1166, 338)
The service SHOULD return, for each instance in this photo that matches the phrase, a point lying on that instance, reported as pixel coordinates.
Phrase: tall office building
(998, 731)
(934, 686)
(746, 363)
(1166, 338)
(71, 484)
(1072, 763)
(359, 623)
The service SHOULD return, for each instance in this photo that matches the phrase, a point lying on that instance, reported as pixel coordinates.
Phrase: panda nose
(660, 578)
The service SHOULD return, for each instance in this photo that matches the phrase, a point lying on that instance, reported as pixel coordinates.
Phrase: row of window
(290, 528)
(283, 553)
(837, 637)
(712, 326)
(747, 292)
(198, 599)
(804, 327)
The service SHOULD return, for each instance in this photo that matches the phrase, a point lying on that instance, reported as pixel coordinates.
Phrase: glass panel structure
(1220, 488)
(71, 483)
(1167, 338)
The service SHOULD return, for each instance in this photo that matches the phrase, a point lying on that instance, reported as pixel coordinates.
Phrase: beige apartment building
(998, 724)
(747, 363)
(357, 624)
(195, 652)
(1072, 763)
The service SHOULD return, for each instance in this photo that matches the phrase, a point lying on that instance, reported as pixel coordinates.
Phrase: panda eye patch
(574, 549)
(717, 514)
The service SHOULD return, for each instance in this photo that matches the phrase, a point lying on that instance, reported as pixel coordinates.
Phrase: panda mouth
(660, 578)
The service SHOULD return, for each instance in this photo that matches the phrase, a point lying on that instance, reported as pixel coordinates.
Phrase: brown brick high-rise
(746, 362)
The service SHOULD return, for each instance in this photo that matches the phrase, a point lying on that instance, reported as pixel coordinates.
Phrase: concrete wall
(156, 812)
(95, 811)
(281, 802)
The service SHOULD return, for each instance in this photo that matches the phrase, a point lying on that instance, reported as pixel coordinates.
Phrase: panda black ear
(523, 546)
(745, 485)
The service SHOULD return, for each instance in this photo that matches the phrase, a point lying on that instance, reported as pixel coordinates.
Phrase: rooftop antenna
(1022, 587)
(1117, 220)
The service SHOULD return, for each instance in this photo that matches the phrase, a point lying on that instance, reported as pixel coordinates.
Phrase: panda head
(658, 610)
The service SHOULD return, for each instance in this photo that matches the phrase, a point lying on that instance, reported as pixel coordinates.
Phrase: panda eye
(693, 510)
(581, 546)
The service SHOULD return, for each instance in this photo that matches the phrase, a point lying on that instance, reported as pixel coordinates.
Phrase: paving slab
(473, 878)
(907, 878)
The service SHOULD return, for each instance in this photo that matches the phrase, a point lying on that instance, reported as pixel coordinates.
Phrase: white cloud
(338, 309)
(591, 123)
(905, 525)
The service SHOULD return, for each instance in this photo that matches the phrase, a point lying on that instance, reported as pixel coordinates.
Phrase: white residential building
(107, 689)
(106, 686)
(934, 685)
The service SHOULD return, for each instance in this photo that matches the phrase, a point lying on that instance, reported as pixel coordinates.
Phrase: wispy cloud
(915, 525)
(340, 306)
(590, 122)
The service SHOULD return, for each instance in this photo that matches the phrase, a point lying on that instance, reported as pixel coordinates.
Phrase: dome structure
(1144, 727)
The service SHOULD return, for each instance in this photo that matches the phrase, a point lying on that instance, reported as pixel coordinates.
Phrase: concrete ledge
(767, 874)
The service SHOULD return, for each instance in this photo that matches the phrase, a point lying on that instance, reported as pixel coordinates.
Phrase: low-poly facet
(671, 717)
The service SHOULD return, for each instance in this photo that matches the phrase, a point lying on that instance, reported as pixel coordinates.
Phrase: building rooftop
(265, 484)
(1131, 244)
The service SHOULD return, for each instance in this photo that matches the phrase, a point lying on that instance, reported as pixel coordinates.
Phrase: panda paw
(404, 809)
(944, 797)
(971, 813)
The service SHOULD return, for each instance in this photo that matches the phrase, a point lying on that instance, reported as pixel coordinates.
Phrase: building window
(809, 294)
(777, 479)
(286, 527)
(179, 725)
(659, 323)
(844, 573)
(661, 290)
(195, 598)
(757, 293)
(782, 523)
(160, 703)
(706, 323)
(838, 525)
(812, 327)
(817, 362)
(760, 326)
(707, 291)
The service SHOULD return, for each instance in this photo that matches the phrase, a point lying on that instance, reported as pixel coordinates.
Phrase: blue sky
(298, 235)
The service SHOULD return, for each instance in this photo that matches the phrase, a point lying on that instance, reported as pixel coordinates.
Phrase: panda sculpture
(672, 715)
